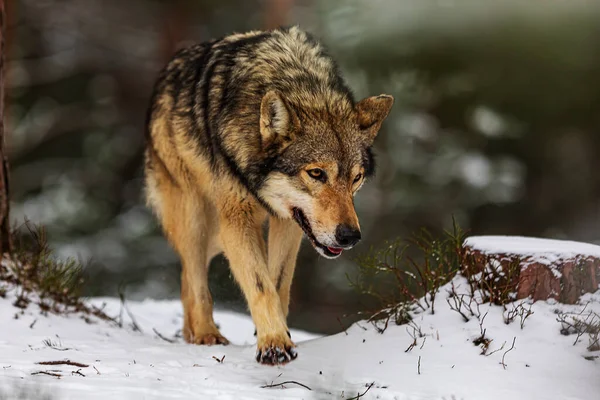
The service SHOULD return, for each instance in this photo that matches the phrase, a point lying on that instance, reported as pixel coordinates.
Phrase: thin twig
(506, 352)
(54, 346)
(358, 396)
(360, 326)
(63, 362)
(78, 372)
(97, 372)
(481, 330)
(47, 373)
(162, 337)
(497, 350)
(342, 325)
(284, 383)
(457, 306)
(419, 366)
(32, 324)
(411, 346)
(219, 360)
(134, 324)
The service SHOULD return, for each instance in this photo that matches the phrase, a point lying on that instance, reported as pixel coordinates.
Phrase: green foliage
(35, 268)
(40, 277)
(406, 275)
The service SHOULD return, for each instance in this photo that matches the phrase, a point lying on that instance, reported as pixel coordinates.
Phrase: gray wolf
(246, 128)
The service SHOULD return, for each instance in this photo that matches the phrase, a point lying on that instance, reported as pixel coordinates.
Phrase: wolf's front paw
(208, 338)
(272, 351)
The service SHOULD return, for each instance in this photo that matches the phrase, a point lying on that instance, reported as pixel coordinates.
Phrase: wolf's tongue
(334, 250)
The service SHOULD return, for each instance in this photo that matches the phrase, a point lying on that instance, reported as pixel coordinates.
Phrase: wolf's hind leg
(188, 226)
(284, 242)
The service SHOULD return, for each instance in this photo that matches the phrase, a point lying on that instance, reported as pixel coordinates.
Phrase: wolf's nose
(347, 236)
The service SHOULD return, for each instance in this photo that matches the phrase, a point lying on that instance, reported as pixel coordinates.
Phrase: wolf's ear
(371, 113)
(277, 120)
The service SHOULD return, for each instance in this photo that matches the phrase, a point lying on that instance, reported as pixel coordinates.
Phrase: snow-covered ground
(443, 363)
(544, 251)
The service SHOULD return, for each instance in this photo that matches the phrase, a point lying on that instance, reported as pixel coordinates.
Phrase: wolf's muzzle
(347, 236)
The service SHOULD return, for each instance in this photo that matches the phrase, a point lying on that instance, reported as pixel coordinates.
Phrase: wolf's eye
(318, 174)
(357, 178)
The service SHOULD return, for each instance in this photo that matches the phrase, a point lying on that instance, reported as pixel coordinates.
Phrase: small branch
(361, 327)
(219, 360)
(47, 373)
(54, 346)
(497, 350)
(32, 324)
(78, 372)
(134, 324)
(162, 337)
(416, 333)
(481, 330)
(385, 325)
(97, 372)
(284, 383)
(358, 396)
(342, 325)
(525, 314)
(506, 352)
(412, 346)
(419, 366)
(457, 306)
(63, 362)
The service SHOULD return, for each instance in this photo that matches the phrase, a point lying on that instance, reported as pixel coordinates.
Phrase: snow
(543, 251)
(527, 246)
(125, 364)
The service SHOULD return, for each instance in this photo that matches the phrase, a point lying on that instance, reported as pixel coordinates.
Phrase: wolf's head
(320, 158)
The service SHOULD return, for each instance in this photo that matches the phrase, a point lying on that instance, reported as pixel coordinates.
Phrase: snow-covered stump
(529, 267)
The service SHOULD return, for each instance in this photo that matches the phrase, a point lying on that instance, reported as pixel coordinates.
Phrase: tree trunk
(5, 239)
(528, 267)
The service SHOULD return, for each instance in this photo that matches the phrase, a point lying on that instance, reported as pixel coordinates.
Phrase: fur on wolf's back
(210, 95)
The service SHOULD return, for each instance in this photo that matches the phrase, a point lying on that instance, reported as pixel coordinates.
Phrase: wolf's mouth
(330, 252)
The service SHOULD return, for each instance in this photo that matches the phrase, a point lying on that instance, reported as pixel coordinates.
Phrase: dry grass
(581, 324)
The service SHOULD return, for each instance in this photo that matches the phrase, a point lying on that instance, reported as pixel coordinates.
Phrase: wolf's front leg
(244, 247)
(284, 242)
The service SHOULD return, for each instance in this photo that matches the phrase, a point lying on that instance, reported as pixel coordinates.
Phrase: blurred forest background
(496, 123)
